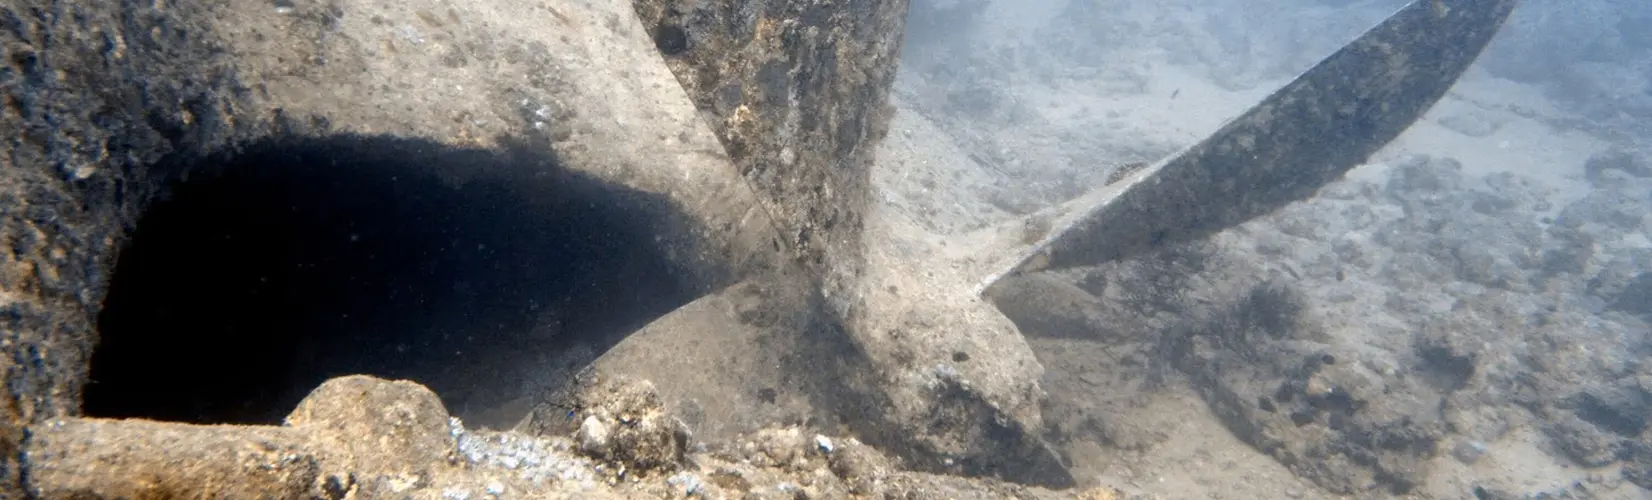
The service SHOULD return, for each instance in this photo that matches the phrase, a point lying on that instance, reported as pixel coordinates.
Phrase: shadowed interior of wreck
(271, 269)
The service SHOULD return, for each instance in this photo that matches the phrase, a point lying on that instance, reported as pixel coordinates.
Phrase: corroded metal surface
(797, 91)
(104, 103)
(97, 95)
(1305, 135)
(90, 95)
(107, 104)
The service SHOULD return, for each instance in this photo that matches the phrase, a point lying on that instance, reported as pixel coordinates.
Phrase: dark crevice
(288, 262)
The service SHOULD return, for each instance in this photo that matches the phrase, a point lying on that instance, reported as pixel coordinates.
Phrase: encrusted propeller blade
(1302, 137)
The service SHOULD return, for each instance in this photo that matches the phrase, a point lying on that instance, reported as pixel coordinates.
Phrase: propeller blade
(1302, 137)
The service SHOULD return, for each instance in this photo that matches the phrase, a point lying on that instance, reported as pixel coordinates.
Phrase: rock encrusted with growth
(625, 424)
(352, 436)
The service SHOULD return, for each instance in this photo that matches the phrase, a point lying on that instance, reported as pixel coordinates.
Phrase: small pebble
(823, 443)
(593, 435)
(689, 483)
(1468, 452)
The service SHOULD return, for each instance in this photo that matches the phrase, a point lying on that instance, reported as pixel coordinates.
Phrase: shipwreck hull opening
(485, 275)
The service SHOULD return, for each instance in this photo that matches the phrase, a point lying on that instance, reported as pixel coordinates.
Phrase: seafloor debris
(364, 437)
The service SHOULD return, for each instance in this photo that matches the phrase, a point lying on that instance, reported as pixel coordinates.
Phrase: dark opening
(479, 274)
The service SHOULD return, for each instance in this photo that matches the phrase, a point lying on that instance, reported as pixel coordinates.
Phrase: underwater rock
(1470, 124)
(324, 450)
(1637, 466)
(623, 422)
(1635, 297)
(1582, 442)
(1623, 207)
(1622, 160)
